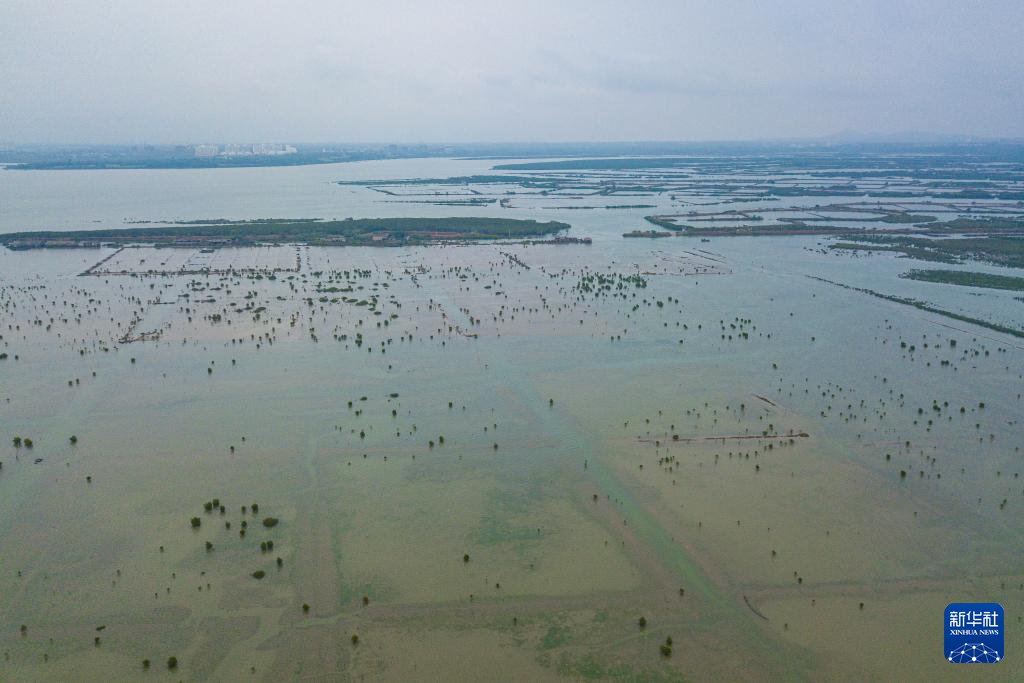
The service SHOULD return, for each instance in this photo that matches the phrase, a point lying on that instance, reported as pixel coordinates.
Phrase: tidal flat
(661, 460)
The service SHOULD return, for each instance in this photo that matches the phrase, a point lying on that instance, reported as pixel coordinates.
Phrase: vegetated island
(382, 232)
(924, 225)
(647, 233)
(1003, 250)
(966, 278)
(996, 240)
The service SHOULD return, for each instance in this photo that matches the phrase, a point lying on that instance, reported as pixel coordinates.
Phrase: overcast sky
(320, 70)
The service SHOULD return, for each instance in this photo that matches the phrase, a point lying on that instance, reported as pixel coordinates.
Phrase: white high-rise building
(207, 150)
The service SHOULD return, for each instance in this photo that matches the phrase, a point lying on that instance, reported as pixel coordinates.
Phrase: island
(382, 232)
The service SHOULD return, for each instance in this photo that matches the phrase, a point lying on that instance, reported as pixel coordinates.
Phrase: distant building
(258, 149)
(268, 149)
(237, 150)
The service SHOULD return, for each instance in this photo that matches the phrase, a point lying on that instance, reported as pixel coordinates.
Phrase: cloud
(432, 70)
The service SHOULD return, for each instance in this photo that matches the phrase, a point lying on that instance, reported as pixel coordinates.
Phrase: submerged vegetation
(968, 279)
(921, 305)
(999, 249)
(596, 463)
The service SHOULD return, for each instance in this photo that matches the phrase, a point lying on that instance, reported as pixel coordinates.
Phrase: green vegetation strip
(1016, 332)
(905, 251)
(382, 231)
(1002, 246)
(967, 279)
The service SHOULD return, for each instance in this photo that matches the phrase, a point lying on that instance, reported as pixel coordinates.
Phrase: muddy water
(559, 507)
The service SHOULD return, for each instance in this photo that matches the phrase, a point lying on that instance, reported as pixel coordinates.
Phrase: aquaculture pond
(715, 458)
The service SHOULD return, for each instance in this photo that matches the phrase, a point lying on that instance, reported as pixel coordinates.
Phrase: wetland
(244, 449)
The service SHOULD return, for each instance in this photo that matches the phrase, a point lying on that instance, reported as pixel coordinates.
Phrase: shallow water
(587, 514)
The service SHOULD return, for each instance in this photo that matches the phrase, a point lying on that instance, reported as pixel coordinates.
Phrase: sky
(155, 71)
